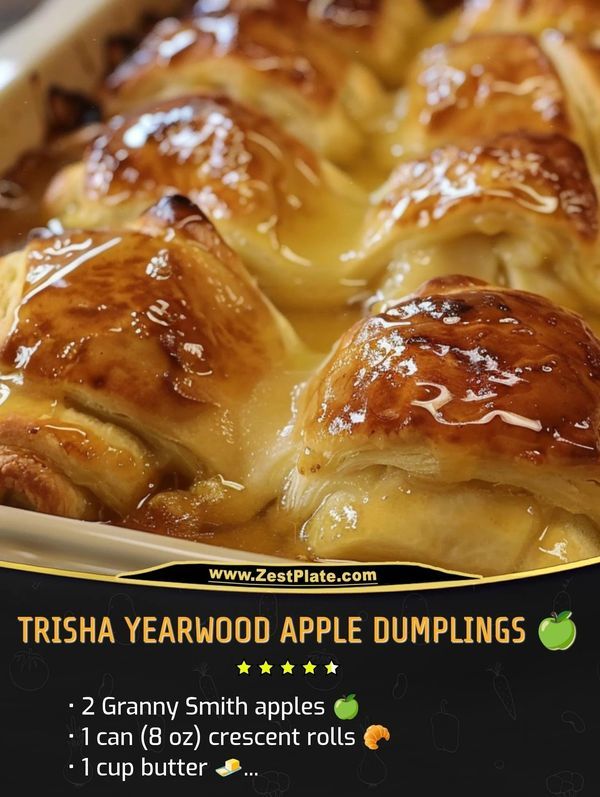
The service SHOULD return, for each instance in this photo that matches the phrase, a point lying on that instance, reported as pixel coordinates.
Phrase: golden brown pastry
(458, 428)
(383, 34)
(137, 359)
(519, 210)
(289, 214)
(493, 83)
(579, 17)
(579, 68)
(255, 57)
(487, 85)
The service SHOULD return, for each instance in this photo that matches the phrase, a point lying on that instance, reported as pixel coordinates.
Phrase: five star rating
(266, 668)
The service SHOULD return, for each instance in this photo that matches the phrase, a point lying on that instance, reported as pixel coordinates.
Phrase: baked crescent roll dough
(459, 428)
(133, 362)
(518, 210)
(382, 34)
(575, 17)
(457, 92)
(289, 214)
(579, 68)
(481, 87)
(280, 69)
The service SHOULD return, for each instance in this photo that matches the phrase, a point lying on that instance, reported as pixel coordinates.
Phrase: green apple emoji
(557, 632)
(346, 708)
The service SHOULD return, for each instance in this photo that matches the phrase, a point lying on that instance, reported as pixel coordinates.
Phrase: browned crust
(206, 147)
(484, 85)
(346, 21)
(255, 38)
(29, 482)
(488, 371)
(178, 212)
(383, 34)
(580, 17)
(546, 176)
(159, 321)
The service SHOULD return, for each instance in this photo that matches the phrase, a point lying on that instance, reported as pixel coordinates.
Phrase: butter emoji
(231, 765)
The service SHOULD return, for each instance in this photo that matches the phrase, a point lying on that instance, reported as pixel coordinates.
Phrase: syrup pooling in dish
(154, 337)
(291, 216)
(459, 387)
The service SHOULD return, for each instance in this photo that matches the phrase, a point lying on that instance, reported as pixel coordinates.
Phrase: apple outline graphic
(558, 632)
(346, 708)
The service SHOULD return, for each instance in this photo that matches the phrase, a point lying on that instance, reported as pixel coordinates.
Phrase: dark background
(457, 729)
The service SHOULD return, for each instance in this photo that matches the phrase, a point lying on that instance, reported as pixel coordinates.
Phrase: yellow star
(244, 668)
(331, 668)
(287, 668)
(309, 668)
(265, 669)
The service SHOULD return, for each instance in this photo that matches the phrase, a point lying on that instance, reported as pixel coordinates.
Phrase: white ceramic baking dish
(63, 44)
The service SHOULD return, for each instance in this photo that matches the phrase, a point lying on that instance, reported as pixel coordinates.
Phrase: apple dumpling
(137, 360)
(458, 427)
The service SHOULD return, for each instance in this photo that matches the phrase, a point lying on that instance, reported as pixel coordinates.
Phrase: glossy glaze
(132, 359)
(484, 370)
(380, 33)
(256, 39)
(581, 17)
(546, 176)
(289, 214)
(482, 87)
(164, 320)
(227, 158)
(346, 16)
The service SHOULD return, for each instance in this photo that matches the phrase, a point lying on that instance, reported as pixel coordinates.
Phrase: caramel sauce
(270, 533)
(154, 341)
